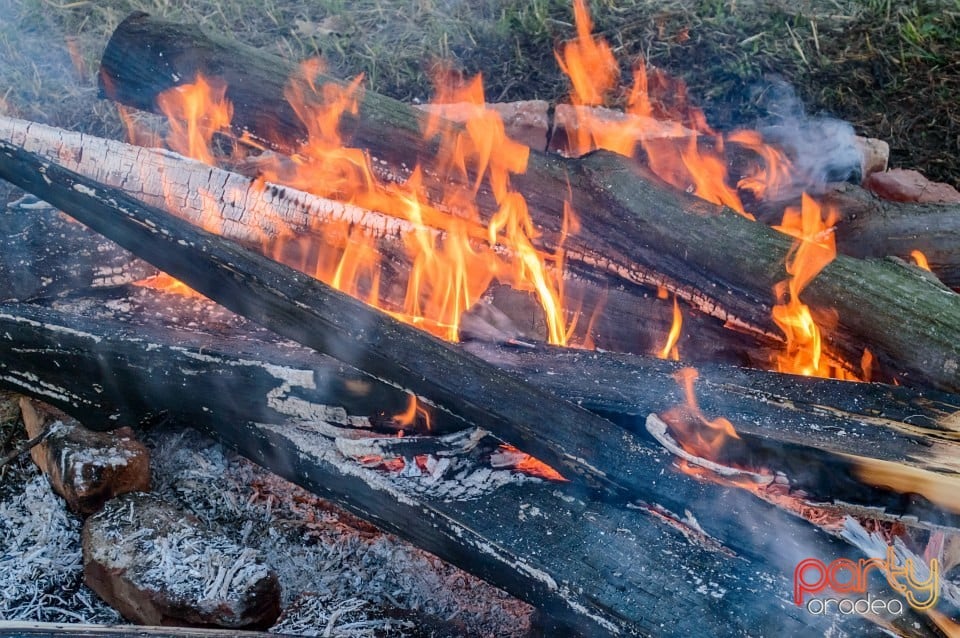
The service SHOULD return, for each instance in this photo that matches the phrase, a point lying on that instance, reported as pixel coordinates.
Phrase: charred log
(634, 226)
(300, 414)
(827, 437)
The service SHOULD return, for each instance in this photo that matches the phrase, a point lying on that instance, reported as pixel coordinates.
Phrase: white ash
(314, 547)
(314, 615)
(180, 559)
(41, 570)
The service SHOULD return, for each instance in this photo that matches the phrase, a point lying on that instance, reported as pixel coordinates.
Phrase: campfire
(647, 377)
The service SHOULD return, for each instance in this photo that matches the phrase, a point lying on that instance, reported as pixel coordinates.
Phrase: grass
(891, 68)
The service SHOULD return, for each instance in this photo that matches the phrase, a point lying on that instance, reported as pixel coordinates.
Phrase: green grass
(892, 68)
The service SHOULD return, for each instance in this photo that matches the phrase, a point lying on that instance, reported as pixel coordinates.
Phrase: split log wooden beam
(265, 217)
(634, 226)
(595, 568)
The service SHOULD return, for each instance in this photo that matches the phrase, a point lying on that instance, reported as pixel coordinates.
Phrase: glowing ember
(529, 465)
(165, 283)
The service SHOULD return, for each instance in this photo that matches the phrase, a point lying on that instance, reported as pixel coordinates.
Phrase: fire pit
(448, 333)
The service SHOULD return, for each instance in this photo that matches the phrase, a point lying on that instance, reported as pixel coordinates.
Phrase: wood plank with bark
(634, 226)
(593, 567)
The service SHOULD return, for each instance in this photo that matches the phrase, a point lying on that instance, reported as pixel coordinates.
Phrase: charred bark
(825, 436)
(635, 227)
(594, 568)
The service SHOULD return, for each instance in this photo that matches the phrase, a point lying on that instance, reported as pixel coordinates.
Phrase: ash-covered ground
(339, 575)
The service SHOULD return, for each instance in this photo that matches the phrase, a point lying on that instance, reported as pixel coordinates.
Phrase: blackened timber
(632, 224)
(594, 568)
(821, 434)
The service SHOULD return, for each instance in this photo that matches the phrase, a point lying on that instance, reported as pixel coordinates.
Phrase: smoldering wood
(633, 225)
(263, 216)
(540, 541)
(818, 432)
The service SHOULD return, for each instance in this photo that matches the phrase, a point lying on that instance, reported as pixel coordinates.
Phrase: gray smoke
(822, 149)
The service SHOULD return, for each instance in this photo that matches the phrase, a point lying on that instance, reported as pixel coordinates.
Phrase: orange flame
(920, 259)
(696, 433)
(453, 256)
(669, 350)
(195, 112)
(409, 416)
(673, 148)
(814, 248)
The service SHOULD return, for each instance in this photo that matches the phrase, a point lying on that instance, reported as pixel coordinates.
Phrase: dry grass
(891, 68)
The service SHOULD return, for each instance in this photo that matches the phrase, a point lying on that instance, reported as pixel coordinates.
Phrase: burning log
(634, 227)
(784, 422)
(538, 540)
(261, 216)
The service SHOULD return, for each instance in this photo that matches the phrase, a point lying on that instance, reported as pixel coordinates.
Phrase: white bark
(228, 203)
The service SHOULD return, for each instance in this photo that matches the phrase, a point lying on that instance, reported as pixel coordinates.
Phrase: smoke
(822, 149)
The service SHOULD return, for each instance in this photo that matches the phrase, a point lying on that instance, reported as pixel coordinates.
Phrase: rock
(157, 565)
(85, 468)
(876, 154)
(901, 185)
(525, 121)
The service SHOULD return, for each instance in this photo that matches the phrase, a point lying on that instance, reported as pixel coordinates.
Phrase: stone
(875, 153)
(84, 467)
(902, 185)
(158, 565)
